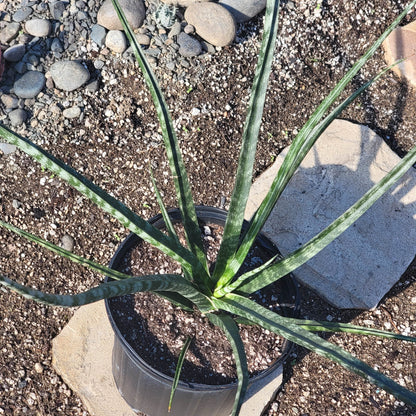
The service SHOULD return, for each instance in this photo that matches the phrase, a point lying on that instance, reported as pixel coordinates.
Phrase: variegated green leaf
(297, 152)
(180, 177)
(148, 283)
(261, 316)
(108, 204)
(323, 326)
(114, 274)
(326, 326)
(163, 210)
(232, 229)
(227, 324)
(175, 298)
(178, 370)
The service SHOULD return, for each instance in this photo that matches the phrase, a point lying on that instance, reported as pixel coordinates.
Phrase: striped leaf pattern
(230, 328)
(250, 310)
(228, 304)
(147, 283)
(107, 203)
(300, 146)
(180, 177)
(242, 185)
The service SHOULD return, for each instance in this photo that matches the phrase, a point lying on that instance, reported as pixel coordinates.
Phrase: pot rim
(215, 215)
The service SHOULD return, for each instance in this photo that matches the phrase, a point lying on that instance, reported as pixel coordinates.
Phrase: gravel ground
(116, 136)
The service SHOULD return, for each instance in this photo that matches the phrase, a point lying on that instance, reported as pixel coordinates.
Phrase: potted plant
(142, 377)
(219, 292)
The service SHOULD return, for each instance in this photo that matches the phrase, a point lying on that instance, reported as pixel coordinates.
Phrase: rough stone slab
(82, 356)
(357, 269)
(401, 43)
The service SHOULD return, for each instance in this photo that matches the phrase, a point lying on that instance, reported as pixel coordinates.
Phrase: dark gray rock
(29, 85)
(14, 53)
(98, 34)
(18, 117)
(188, 46)
(56, 46)
(9, 32)
(57, 9)
(22, 14)
(20, 67)
(33, 59)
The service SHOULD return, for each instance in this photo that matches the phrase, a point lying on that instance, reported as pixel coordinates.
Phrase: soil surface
(317, 45)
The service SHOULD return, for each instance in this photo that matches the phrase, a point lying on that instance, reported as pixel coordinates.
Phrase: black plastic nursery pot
(148, 390)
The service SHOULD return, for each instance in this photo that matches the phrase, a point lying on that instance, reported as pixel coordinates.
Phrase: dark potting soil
(157, 330)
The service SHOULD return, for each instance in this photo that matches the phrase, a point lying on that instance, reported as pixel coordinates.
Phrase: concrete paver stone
(359, 267)
(401, 43)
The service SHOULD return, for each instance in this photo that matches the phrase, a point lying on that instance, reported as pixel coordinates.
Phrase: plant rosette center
(157, 330)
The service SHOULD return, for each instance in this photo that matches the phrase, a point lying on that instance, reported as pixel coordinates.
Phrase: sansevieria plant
(217, 293)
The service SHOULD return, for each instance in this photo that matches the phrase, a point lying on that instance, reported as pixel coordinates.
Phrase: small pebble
(67, 242)
(188, 29)
(18, 117)
(22, 14)
(116, 41)
(69, 75)
(72, 112)
(39, 368)
(188, 46)
(143, 39)
(98, 34)
(7, 148)
(57, 9)
(16, 205)
(93, 86)
(195, 111)
(56, 46)
(9, 101)
(29, 85)
(9, 32)
(15, 53)
(98, 64)
(174, 30)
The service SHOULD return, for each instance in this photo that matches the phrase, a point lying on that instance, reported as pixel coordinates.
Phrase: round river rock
(133, 9)
(30, 84)
(212, 22)
(69, 75)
